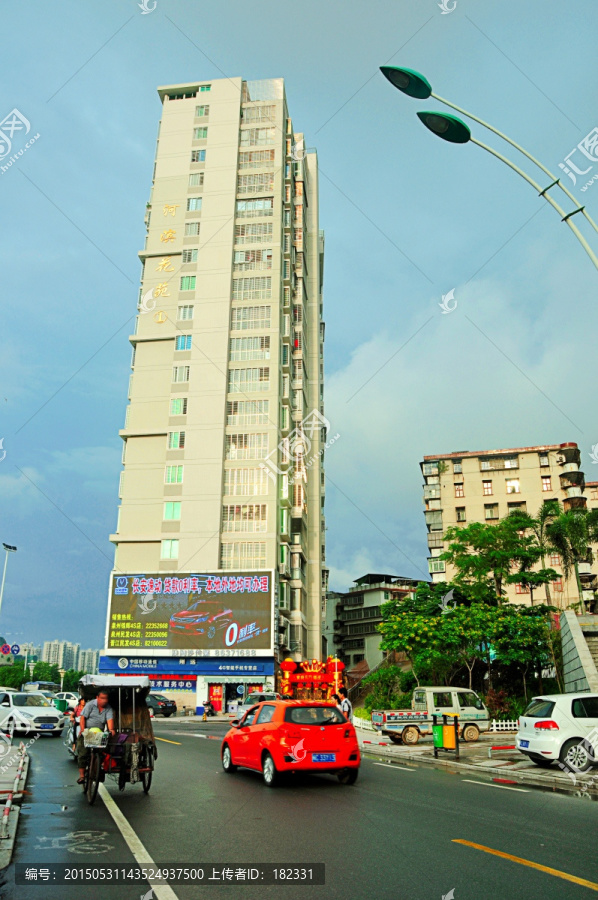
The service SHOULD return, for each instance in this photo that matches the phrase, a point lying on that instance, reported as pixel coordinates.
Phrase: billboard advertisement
(217, 614)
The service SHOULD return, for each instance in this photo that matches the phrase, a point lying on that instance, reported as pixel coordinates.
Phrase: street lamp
(9, 549)
(452, 129)
(62, 673)
(413, 83)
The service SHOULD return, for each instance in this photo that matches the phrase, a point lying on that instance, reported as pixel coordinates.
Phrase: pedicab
(129, 755)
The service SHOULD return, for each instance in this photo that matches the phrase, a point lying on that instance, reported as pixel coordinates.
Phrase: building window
(544, 459)
(252, 288)
(257, 136)
(176, 440)
(185, 313)
(245, 260)
(194, 204)
(555, 559)
(262, 206)
(558, 585)
(178, 406)
(169, 550)
(243, 555)
(189, 256)
(436, 565)
(241, 380)
(205, 87)
(521, 507)
(245, 517)
(196, 179)
(487, 488)
(247, 412)
(254, 233)
(459, 489)
(180, 374)
(200, 134)
(512, 485)
(460, 510)
(201, 111)
(258, 114)
(246, 446)
(259, 183)
(173, 475)
(191, 229)
(546, 483)
(249, 348)
(183, 342)
(457, 467)
(198, 156)
(188, 282)
(521, 589)
(172, 510)
(491, 510)
(245, 482)
(249, 317)
(250, 159)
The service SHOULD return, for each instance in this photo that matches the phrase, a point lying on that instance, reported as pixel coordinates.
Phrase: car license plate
(323, 757)
(46, 725)
(524, 743)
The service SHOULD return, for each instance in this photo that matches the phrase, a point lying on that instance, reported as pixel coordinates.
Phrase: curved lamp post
(455, 131)
(413, 83)
(9, 549)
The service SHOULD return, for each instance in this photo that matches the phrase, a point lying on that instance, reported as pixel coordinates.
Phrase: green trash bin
(437, 732)
(61, 705)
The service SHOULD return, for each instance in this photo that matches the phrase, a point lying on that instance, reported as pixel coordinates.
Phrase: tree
(485, 555)
(71, 679)
(520, 636)
(43, 671)
(570, 535)
(539, 526)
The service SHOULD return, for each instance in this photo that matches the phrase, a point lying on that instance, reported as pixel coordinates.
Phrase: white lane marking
(142, 857)
(391, 766)
(504, 787)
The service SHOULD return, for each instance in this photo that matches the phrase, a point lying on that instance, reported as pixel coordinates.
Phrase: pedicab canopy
(127, 697)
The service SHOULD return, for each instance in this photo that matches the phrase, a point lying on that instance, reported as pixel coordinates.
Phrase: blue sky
(407, 219)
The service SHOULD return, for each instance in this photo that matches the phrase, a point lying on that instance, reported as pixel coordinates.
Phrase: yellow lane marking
(178, 743)
(532, 865)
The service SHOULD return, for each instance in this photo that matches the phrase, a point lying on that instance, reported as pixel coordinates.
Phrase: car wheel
(410, 735)
(577, 755)
(57, 734)
(470, 733)
(395, 738)
(227, 760)
(271, 776)
(167, 715)
(348, 776)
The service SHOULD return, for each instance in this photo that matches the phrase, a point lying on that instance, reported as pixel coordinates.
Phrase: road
(392, 835)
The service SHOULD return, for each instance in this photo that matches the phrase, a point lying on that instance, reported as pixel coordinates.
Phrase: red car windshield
(314, 715)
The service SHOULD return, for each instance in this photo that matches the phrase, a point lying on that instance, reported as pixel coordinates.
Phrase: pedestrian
(75, 720)
(346, 705)
(337, 700)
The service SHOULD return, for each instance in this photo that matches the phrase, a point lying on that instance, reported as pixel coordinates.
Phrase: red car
(280, 736)
(202, 617)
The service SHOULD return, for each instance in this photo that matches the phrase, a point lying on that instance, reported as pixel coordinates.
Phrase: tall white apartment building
(227, 363)
(61, 653)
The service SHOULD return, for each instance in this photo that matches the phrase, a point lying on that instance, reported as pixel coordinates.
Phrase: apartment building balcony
(570, 503)
(568, 455)
(571, 479)
(435, 541)
(431, 491)
(433, 519)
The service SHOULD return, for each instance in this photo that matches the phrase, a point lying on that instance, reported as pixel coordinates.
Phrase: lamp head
(408, 81)
(447, 127)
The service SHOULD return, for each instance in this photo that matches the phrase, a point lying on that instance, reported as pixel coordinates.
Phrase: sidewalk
(14, 768)
(508, 766)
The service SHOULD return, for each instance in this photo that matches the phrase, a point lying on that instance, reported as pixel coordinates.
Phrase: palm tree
(570, 534)
(539, 525)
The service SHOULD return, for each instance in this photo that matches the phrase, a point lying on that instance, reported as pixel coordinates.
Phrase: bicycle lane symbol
(77, 842)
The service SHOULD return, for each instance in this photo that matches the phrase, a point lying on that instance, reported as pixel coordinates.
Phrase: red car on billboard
(203, 617)
(278, 737)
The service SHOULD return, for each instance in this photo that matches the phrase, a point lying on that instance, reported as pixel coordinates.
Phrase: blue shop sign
(139, 665)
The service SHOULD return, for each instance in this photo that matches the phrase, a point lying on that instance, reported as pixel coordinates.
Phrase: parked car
(161, 705)
(204, 617)
(30, 712)
(563, 727)
(407, 725)
(283, 736)
(252, 699)
(71, 698)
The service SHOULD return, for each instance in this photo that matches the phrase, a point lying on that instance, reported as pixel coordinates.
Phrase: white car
(560, 727)
(71, 699)
(30, 713)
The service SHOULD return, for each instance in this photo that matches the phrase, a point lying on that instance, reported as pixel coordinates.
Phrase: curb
(559, 783)
(11, 812)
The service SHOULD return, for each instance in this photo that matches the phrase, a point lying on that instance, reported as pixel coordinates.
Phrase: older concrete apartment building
(484, 486)
(224, 430)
